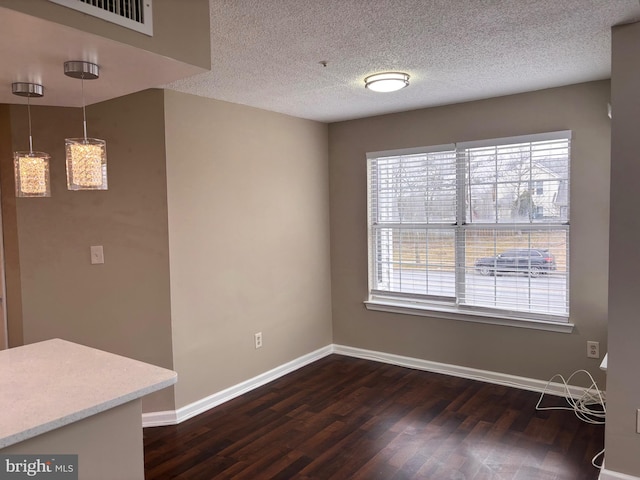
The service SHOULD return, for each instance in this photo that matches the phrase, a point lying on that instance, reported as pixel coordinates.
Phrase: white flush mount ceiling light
(86, 157)
(31, 169)
(387, 81)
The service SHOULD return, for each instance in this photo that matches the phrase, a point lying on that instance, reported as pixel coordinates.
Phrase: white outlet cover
(593, 349)
(97, 254)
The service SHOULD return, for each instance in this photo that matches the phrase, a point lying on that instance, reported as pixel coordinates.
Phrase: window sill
(444, 311)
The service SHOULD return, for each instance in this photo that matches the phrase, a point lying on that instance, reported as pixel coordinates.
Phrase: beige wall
(122, 306)
(13, 292)
(249, 241)
(268, 271)
(530, 353)
(180, 28)
(623, 387)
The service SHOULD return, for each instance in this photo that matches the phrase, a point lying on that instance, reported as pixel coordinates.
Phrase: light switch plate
(97, 254)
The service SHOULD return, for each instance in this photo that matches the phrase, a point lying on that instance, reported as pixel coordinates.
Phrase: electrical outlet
(257, 338)
(593, 350)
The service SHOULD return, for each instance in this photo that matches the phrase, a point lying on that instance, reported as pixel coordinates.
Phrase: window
(538, 187)
(475, 227)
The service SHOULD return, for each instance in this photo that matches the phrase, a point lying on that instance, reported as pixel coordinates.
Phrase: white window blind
(479, 226)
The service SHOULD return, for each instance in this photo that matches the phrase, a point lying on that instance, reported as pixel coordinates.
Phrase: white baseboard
(497, 378)
(609, 475)
(157, 419)
(173, 417)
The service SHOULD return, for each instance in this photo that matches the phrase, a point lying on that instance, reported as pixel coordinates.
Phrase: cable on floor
(589, 407)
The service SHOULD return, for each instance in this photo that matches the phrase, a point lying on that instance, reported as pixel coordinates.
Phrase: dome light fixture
(387, 81)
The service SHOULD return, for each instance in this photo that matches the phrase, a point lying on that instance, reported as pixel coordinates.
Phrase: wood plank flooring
(346, 418)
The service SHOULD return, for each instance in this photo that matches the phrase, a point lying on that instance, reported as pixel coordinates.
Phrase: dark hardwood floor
(346, 418)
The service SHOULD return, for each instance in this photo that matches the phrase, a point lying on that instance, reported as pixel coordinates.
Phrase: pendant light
(86, 157)
(31, 169)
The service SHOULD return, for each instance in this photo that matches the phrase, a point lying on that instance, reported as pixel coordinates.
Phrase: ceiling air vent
(133, 14)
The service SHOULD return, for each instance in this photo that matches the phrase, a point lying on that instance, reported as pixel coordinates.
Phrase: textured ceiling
(266, 53)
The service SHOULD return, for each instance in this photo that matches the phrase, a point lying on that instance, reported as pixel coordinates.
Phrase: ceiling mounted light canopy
(31, 169)
(387, 81)
(86, 157)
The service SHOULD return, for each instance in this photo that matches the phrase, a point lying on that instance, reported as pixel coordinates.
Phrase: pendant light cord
(84, 114)
(29, 114)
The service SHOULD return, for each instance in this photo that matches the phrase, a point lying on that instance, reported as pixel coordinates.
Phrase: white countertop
(46, 385)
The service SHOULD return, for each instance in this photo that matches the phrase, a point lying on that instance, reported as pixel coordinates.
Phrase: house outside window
(478, 228)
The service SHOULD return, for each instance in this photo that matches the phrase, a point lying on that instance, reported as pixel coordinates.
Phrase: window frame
(425, 305)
